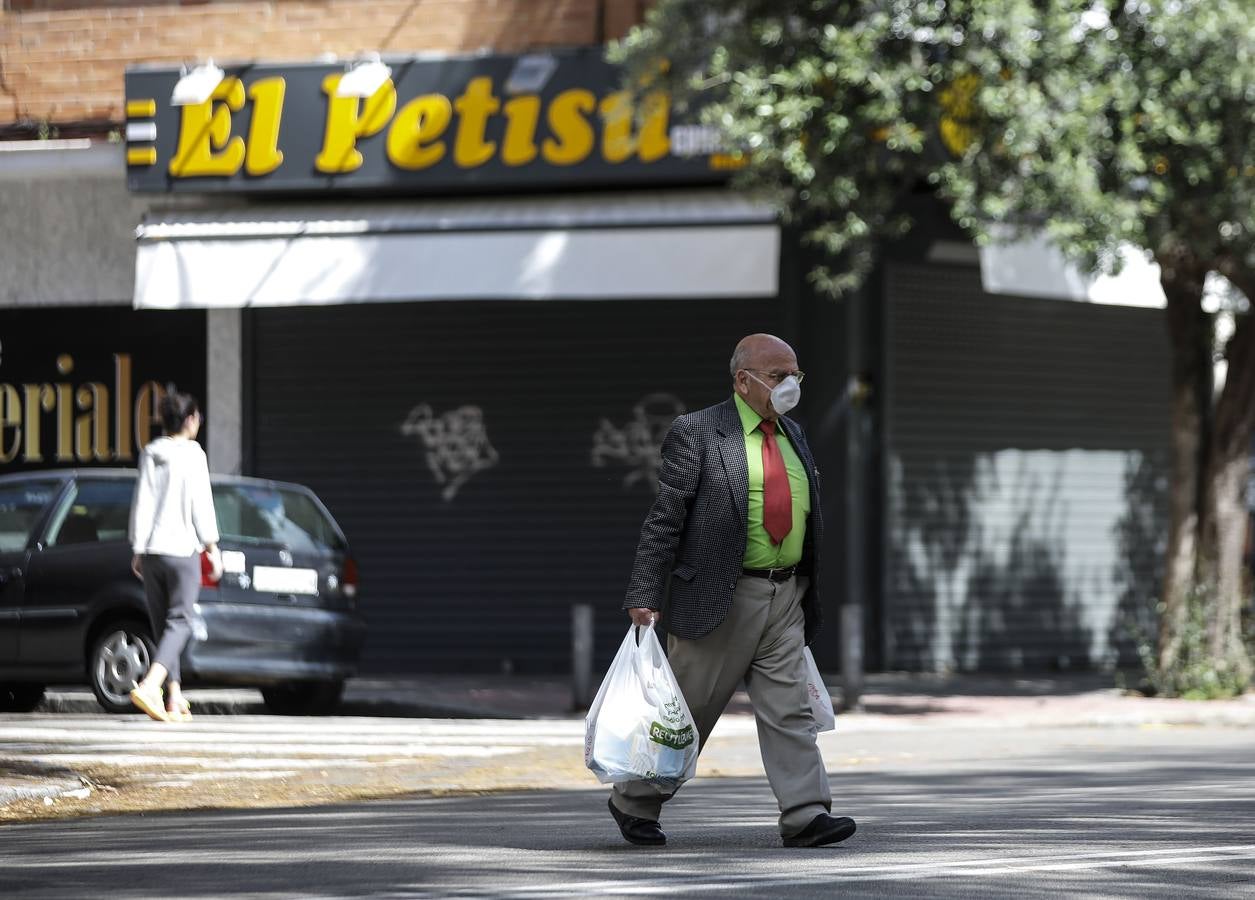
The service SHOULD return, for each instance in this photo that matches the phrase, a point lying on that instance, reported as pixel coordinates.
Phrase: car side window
(93, 512)
(20, 508)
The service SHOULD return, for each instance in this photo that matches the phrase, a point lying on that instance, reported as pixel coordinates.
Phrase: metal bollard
(852, 656)
(582, 687)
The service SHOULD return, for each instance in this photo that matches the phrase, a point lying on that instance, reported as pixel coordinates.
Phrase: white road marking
(231, 763)
(675, 884)
(263, 747)
(235, 748)
(186, 778)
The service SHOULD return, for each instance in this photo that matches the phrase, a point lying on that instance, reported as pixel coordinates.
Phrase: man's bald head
(756, 350)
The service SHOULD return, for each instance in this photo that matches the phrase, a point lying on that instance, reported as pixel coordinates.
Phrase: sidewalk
(1074, 699)
(889, 699)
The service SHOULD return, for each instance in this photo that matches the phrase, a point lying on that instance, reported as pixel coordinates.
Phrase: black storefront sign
(554, 120)
(82, 388)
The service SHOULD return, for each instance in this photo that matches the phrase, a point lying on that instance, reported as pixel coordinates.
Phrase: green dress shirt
(760, 552)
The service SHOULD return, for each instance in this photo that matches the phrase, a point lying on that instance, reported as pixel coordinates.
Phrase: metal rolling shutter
(1026, 453)
(488, 575)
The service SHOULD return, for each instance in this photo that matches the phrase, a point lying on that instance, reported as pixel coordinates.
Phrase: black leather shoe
(823, 829)
(637, 831)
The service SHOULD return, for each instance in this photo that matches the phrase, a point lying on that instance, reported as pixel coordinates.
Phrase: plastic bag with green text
(639, 727)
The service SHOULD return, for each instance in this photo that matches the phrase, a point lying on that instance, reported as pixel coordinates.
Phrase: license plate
(285, 581)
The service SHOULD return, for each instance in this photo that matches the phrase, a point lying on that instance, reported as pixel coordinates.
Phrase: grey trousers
(172, 584)
(761, 641)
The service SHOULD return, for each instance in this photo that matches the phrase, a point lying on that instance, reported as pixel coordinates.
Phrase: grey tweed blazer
(692, 544)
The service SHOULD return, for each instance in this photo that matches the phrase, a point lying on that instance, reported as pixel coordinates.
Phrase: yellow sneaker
(182, 712)
(149, 701)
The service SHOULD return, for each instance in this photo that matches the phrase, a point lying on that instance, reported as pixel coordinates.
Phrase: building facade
(465, 310)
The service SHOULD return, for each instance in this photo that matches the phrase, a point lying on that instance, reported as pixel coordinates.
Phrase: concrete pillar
(224, 403)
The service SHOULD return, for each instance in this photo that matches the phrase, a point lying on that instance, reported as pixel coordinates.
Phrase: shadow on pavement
(1173, 826)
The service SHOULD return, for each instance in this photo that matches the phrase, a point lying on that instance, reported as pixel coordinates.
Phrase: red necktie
(777, 496)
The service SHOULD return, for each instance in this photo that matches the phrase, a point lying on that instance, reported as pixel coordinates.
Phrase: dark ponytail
(175, 408)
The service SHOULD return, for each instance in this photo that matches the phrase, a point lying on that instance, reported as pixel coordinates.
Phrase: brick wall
(62, 61)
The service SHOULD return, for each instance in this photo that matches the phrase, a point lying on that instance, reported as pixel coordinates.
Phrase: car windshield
(274, 515)
(20, 506)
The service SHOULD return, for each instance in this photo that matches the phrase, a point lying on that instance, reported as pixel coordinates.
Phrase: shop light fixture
(531, 73)
(364, 77)
(197, 86)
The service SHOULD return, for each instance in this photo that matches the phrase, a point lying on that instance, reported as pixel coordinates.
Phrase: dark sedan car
(283, 617)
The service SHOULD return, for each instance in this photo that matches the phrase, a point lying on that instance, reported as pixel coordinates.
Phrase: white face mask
(785, 395)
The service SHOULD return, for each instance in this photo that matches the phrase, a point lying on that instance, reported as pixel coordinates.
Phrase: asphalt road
(1115, 812)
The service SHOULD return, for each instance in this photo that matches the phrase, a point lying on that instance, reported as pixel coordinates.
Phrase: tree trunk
(1222, 554)
(1221, 562)
(1189, 331)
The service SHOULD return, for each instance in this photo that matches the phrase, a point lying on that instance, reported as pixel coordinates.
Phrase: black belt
(776, 575)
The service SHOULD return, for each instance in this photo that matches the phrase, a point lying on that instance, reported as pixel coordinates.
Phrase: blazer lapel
(732, 450)
(794, 431)
(803, 451)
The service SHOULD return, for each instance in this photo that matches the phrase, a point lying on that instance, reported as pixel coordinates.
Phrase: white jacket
(172, 512)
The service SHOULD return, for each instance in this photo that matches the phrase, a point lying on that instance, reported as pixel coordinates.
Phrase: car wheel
(20, 697)
(304, 698)
(119, 657)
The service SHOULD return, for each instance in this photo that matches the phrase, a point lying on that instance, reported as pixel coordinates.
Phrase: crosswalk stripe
(260, 748)
(227, 762)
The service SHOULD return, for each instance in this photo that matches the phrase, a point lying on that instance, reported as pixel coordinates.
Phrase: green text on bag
(678, 738)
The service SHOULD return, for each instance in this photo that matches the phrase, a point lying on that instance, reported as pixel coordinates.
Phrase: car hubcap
(122, 662)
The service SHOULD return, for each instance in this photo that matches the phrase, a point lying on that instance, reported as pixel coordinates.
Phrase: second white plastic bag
(817, 691)
(639, 726)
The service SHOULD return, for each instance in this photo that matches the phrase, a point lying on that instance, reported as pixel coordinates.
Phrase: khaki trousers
(761, 641)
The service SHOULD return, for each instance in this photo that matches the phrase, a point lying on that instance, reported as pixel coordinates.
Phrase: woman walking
(172, 518)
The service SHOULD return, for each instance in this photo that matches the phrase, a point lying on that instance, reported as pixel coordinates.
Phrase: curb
(23, 787)
(247, 702)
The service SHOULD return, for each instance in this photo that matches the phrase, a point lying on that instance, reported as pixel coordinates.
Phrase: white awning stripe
(1033, 266)
(693, 244)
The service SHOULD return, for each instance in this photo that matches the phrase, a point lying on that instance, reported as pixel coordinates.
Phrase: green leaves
(1129, 125)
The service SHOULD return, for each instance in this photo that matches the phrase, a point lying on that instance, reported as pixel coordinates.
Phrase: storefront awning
(675, 244)
(1032, 266)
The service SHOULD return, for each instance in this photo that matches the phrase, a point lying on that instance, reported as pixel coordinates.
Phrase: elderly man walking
(731, 546)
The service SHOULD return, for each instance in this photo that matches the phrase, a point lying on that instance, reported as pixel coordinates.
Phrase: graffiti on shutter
(455, 444)
(637, 444)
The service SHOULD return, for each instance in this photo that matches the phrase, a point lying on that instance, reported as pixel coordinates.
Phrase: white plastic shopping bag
(821, 702)
(639, 727)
